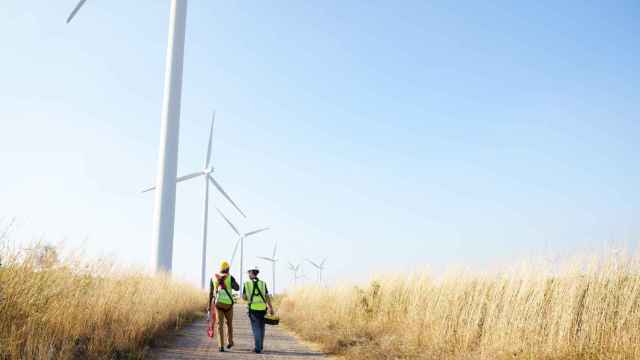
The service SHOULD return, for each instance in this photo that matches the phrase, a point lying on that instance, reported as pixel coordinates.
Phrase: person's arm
(234, 284)
(210, 292)
(244, 293)
(268, 300)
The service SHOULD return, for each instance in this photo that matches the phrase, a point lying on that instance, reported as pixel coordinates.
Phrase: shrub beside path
(192, 343)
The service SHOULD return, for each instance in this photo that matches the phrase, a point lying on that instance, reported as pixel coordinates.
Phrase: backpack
(223, 306)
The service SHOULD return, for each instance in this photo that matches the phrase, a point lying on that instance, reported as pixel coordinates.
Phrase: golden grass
(51, 309)
(589, 311)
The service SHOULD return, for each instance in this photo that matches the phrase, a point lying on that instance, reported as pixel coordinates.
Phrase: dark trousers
(257, 326)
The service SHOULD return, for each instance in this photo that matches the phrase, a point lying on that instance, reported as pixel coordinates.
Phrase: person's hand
(271, 310)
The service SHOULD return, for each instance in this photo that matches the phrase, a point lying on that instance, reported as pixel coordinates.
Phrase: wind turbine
(273, 261)
(240, 241)
(164, 211)
(206, 172)
(296, 270)
(320, 268)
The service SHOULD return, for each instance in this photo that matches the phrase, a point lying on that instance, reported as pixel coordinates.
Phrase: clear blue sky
(382, 135)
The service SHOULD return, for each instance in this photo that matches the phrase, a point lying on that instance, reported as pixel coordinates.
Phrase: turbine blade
(229, 222)
(265, 258)
(235, 249)
(148, 189)
(256, 231)
(323, 262)
(189, 176)
(314, 264)
(215, 183)
(178, 179)
(208, 160)
(75, 10)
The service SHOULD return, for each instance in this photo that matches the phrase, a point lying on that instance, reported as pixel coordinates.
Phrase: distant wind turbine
(273, 261)
(319, 267)
(164, 212)
(206, 172)
(296, 273)
(240, 241)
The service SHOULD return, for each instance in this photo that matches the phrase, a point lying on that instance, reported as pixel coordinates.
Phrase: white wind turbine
(296, 273)
(273, 261)
(240, 241)
(319, 267)
(206, 172)
(164, 212)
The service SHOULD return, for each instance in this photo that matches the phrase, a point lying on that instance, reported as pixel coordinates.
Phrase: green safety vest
(224, 296)
(256, 294)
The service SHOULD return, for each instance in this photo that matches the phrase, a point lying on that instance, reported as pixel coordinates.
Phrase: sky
(385, 136)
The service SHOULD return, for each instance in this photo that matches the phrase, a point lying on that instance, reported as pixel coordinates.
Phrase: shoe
(230, 346)
(222, 349)
(257, 351)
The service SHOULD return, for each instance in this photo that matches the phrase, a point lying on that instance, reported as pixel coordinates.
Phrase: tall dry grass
(69, 309)
(588, 311)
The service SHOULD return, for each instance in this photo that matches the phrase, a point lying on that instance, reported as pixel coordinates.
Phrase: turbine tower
(165, 202)
(319, 267)
(273, 261)
(240, 241)
(206, 172)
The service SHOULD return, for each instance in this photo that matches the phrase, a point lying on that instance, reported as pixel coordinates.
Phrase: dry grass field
(66, 309)
(590, 310)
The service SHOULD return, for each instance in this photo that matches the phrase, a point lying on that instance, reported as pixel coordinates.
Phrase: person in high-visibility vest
(221, 289)
(256, 294)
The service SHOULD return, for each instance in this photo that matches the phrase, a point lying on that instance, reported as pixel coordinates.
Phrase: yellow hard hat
(224, 266)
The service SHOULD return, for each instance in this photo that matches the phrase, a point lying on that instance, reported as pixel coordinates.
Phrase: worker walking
(221, 288)
(256, 294)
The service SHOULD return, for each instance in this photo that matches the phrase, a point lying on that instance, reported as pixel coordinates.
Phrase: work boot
(221, 348)
(230, 346)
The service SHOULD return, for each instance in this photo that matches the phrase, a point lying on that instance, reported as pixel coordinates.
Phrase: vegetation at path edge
(590, 310)
(69, 309)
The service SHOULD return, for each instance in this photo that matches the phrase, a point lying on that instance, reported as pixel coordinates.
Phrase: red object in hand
(212, 320)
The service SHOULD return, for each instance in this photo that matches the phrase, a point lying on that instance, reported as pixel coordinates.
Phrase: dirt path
(192, 343)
